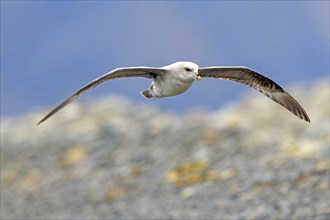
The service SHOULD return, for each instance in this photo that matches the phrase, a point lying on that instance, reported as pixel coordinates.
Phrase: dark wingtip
(306, 118)
(46, 117)
(42, 120)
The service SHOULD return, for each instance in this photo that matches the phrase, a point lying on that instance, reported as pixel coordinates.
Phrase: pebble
(114, 159)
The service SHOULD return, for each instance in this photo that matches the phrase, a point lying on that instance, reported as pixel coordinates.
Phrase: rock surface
(113, 159)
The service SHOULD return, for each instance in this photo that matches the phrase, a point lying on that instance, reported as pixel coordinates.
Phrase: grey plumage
(146, 72)
(176, 78)
(259, 82)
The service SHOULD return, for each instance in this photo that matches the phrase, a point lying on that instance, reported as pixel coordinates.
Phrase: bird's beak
(198, 78)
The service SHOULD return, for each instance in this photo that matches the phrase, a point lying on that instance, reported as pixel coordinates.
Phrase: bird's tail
(146, 94)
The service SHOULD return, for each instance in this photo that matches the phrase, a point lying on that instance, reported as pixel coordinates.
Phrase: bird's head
(188, 70)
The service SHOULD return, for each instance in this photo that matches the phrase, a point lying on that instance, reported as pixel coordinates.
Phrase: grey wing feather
(258, 82)
(114, 74)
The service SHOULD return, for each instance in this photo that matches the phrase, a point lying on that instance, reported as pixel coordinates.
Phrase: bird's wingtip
(41, 121)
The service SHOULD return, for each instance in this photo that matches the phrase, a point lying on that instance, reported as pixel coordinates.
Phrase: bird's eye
(187, 69)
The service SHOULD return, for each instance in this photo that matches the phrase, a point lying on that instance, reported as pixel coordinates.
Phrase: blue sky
(50, 49)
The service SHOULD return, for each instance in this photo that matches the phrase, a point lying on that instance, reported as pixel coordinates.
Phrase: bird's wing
(258, 82)
(147, 72)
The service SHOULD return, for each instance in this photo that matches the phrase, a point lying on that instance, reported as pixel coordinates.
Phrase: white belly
(167, 87)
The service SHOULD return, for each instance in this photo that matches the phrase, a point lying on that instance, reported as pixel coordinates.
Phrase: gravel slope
(112, 159)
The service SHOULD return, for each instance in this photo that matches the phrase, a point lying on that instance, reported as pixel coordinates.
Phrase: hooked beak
(197, 77)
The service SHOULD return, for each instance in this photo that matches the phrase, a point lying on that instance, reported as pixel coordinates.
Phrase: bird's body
(174, 82)
(176, 78)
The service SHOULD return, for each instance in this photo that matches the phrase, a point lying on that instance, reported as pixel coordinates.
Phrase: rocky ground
(114, 160)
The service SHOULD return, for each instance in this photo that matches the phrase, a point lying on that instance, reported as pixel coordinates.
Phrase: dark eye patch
(187, 69)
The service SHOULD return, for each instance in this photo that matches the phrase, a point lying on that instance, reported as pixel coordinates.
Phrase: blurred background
(211, 153)
(50, 49)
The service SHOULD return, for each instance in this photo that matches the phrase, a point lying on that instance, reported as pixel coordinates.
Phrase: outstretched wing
(114, 74)
(258, 82)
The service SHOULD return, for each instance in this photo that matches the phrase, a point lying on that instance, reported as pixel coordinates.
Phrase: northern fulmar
(176, 78)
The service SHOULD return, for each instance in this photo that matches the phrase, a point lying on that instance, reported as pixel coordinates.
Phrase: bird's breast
(170, 87)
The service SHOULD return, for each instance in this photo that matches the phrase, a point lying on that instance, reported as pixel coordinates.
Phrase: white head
(186, 70)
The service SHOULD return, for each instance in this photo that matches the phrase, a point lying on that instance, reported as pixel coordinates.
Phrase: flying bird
(176, 78)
